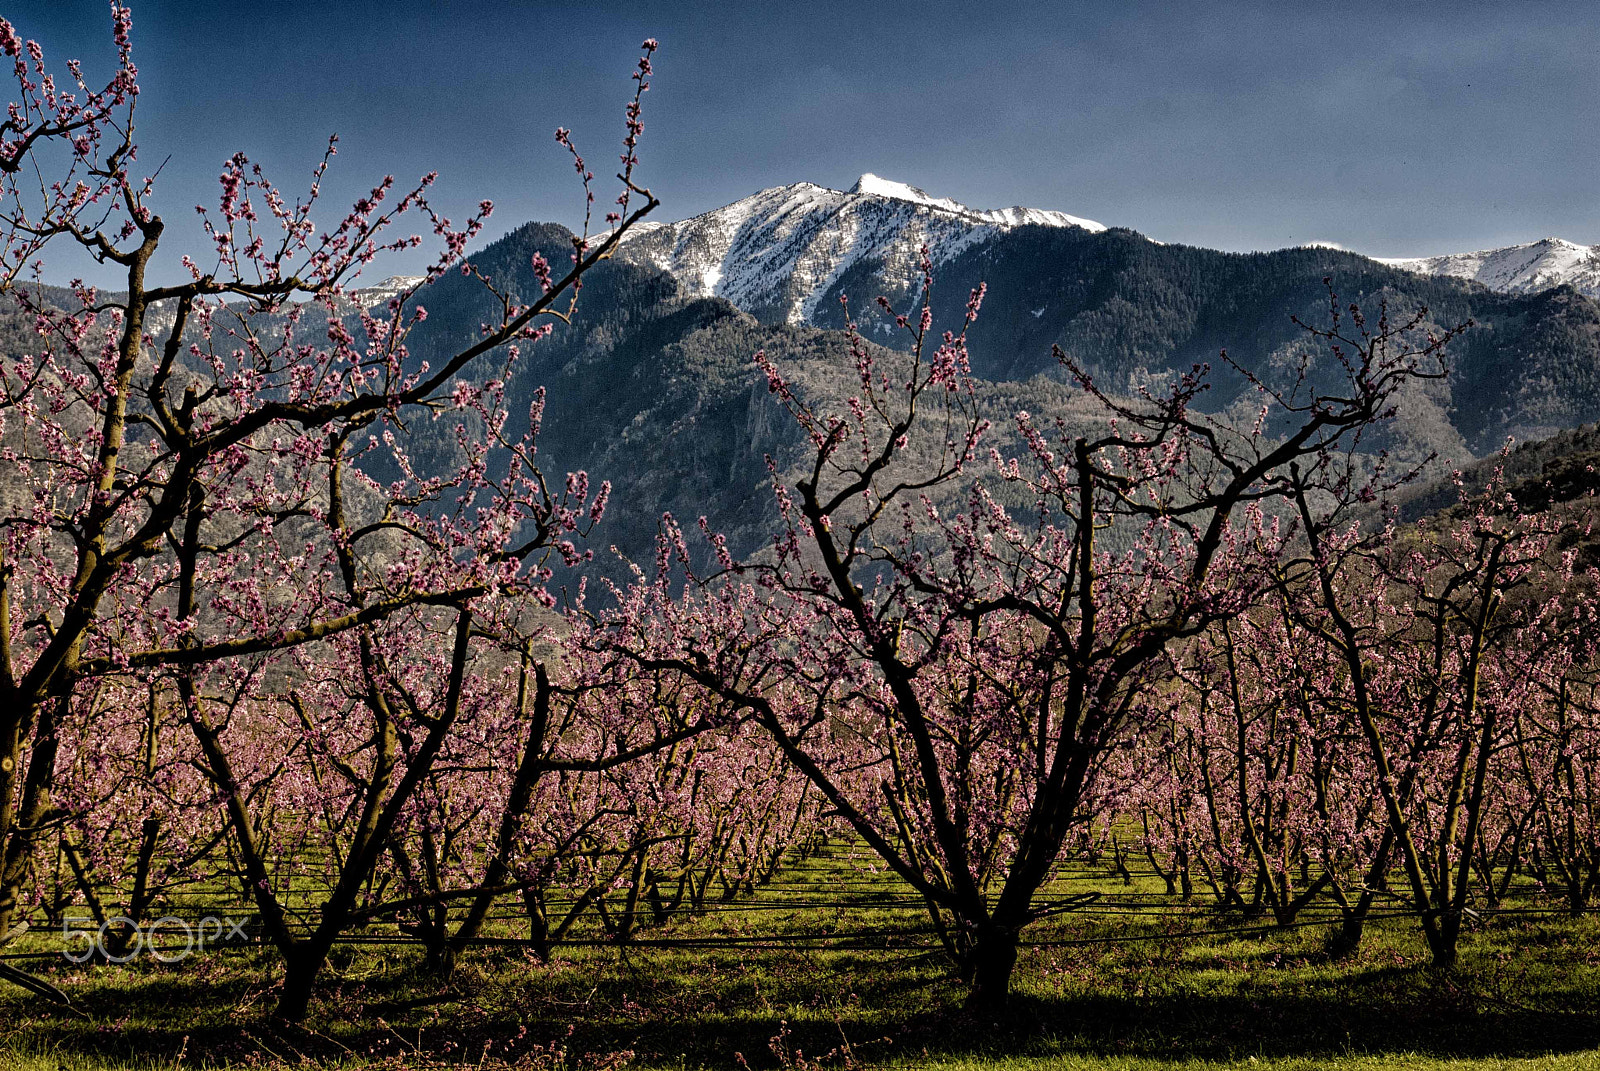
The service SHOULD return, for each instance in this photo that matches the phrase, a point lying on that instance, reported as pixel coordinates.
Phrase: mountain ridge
(652, 385)
(1528, 268)
(778, 251)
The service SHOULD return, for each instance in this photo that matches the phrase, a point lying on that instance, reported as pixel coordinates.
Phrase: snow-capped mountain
(373, 298)
(379, 293)
(1517, 269)
(776, 253)
(662, 397)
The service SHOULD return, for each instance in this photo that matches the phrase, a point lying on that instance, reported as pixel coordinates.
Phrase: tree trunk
(538, 925)
(442, 955)
(1346, 940)
(301, 965)
(991, 962)
(1443, 940)
(1578, 891)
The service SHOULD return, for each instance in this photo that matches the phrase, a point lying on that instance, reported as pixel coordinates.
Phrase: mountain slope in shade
(1517, 269)
(655, 389)
(776, 253)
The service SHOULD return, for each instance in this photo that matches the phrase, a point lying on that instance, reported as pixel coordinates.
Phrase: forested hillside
(659, 394)
(1129, 307)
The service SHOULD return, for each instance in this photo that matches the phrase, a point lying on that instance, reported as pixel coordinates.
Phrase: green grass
(1525, 995)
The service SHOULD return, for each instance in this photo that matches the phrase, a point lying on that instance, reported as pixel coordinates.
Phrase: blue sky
(1393, 129)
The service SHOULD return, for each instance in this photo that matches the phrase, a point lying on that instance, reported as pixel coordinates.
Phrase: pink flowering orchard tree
(1557, 753)
(1243, 764)
(577, 725)
(1447, 643)
(186, 501)
(953, 681)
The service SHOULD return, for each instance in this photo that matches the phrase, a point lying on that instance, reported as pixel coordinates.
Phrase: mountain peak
(899, 191)
(777, 252)
(1517, 269)
(870, 185)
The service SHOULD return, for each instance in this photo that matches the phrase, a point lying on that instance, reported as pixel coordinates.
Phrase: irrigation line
(870, 940)
(878, 892)
(1102, 909)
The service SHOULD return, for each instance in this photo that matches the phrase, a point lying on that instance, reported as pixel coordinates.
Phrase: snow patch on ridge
(900, 191)
(1005, 217)
(380, 293)
(777, 252)
(1516, 269)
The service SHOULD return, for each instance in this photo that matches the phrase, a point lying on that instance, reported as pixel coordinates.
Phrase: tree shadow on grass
(705, 1017)
(1445, 1025)
(1163, 1027)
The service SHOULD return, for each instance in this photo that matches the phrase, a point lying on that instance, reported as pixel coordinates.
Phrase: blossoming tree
(954, 681)
(188, 506)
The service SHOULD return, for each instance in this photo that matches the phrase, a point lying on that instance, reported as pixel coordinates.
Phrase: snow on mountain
(375, 299)
(380, 293)
(776, 253)
(899, 191)
(1517, 269)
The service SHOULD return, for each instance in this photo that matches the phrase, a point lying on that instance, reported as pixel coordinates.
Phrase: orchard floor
(834, 973)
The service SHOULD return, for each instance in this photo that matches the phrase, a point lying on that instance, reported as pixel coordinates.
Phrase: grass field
(831, 967)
